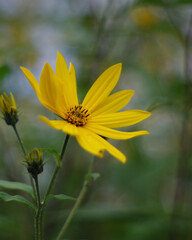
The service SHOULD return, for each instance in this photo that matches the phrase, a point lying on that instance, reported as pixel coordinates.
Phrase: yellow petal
(51, 89)
(120, 119)
(61, 125)
(68, 77)
(114, 102)
(96, 145)
(2, 104)
(72, 77)
(7, 100)
(32, 80)
(30, 77)
(102, 87)
(90, 145)
(13, 101)
(47, 85)
(111, 133)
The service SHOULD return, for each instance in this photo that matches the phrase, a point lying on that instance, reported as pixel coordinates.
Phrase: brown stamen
(77, 115)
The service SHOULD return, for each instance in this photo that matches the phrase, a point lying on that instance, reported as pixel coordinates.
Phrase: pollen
(77, 115)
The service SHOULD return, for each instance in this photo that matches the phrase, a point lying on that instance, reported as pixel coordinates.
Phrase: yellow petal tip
(58, 53)
(43, 119)
(47, 65)
(23, 69)
(147, 133)
(124, 161)
(118, 65)
(132, 91)
(149, 114)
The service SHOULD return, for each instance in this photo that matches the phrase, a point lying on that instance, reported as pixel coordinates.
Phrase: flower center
(77, 115)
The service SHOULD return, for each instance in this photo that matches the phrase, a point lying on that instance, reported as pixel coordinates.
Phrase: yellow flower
(8, 109)
(92, 120)
(144, 17)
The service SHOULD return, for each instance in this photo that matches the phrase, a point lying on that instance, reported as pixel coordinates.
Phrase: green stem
(41, 210)
(183, 171)
(20, 141)
(24, 153)
(58, 166)
(33, 186)
(35, 192)
(38, 192)
(38, 222)
(64, 147)
(77, 203)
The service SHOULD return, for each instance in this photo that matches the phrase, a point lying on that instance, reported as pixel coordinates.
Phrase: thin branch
(77, 203)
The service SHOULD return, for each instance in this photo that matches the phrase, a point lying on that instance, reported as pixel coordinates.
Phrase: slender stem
(37, 189)
(77, 203)
(33, 186)
(36, 192)
(43, 204)
(58, 166)
(19, 139)
(64, 147)
(38, 223)
(24, 153)
(183, 172)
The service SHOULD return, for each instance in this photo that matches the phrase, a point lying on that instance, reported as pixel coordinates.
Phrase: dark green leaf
(17, 186)
(61, 197)
(8, 198)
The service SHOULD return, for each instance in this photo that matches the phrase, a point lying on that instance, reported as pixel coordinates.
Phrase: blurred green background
(150, 197)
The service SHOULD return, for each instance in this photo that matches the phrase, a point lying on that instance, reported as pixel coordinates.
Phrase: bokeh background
(149, 197)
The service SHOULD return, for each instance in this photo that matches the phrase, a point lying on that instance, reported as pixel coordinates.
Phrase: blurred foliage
(150, 196)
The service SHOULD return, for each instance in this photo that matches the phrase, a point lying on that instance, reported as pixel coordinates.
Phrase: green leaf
(55, 153)
(93, 175)
(61, 197)
(17, 198)
(17, 186)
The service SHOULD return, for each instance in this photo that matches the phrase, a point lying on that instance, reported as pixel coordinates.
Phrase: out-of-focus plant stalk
(58, 166)
(24, 153)
(43, 203)
(183, 168)
(77, 203)
(38, 224)
(19, 139)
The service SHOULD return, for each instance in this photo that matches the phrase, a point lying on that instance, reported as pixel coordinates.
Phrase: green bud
(35, 162)
(8, 109)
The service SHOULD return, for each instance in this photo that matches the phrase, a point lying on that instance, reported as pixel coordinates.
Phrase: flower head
(96, 116)
(34, 162)
(8, 109)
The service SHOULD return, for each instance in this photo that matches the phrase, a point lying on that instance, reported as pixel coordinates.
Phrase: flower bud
(35, 162)
(8, 109)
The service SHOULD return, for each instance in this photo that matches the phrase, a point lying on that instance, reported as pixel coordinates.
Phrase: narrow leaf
(61, 197)
(17, 186)
(55, 153)
(17, 198)
(93, 175)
